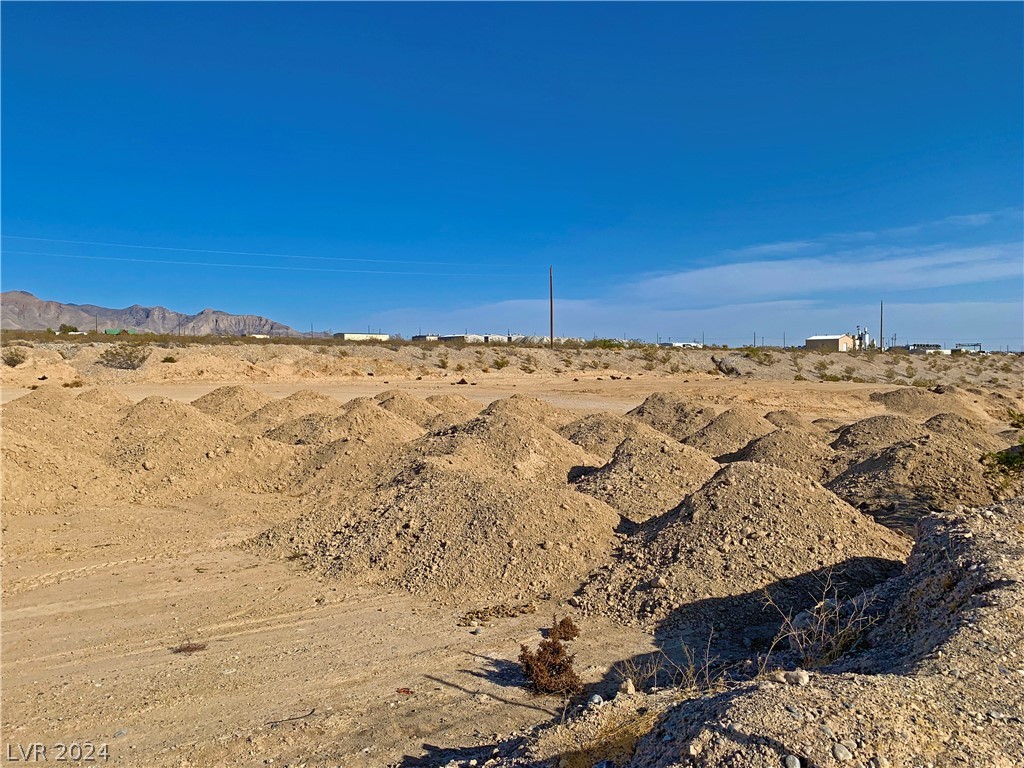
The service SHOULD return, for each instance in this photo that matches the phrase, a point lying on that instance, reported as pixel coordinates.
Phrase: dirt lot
(324, 547)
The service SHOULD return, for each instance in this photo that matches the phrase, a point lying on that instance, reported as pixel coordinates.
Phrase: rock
(595, 702)
(841, 753)
(627, 687)
(659, 582)
(791, 761)
(149, 466)
(797, 677)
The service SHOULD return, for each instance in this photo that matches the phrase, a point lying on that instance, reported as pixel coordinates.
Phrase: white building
(362, 336)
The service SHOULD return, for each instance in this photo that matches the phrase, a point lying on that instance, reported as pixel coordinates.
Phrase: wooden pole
(551, 304)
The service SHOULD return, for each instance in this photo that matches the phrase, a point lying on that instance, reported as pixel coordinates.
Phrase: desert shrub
(169, 359)
(14, 356)
(500, 362)
(189, 647)
(674, 368)
(460, 367)
(128, 357)
(759, 356)
(911, 372)
(565, 629)
(824, 633)
(65, 328)
(1009, 462)
(550, 668)
(74, 384)
(821, 366)
(1016, 419)
(442, 362)
(926, 383)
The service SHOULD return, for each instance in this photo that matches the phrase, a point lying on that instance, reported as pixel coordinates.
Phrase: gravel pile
(649, 476)
(752, 527)
(901, 483)
(672, 414)
(798, 449)
(232, 403)
(278, 412)
(601, 433)
(729, 432)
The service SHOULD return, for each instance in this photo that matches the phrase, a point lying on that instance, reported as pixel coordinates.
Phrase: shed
(842, 342)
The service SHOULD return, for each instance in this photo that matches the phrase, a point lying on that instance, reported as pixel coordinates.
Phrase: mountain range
(20, 310)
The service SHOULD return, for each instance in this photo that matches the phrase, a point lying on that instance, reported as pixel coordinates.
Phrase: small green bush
(128, 357)
(169, 359)
(14, 356)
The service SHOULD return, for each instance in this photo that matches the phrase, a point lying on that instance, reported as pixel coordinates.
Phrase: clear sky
(725, 168)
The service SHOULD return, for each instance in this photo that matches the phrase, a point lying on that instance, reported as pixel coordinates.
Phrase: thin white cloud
(867, 269)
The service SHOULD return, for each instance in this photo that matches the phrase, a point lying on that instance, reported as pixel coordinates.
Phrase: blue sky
(725, 169)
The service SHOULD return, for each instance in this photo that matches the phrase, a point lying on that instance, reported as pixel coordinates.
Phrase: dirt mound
(456, 407)
(864, 437)
(528, 407)
(105, 397)
(601, 433)
(785, 418)
(826, 424)
(51, 447)
(362, 422)
(648, 476)
(480, 511)
(173, 450)
(672, 414)
(508, 445)
(301, 403)
(232, 403)
(434, 530)
(936, 666)
(900, 484)
(957, 426)
(752, 527)
(797, 449)
(414, 409)
(311, 429)
(922, 403)
(729, 432)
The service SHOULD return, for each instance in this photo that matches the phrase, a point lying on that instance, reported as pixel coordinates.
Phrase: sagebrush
(128, 357)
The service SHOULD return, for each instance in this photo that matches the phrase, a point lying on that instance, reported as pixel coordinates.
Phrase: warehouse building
(842, 342)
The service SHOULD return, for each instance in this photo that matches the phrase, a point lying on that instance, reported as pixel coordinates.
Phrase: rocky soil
(695, 531)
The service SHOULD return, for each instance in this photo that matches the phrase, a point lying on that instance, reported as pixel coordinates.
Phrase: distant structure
(682, 344)
(927, 349)
(362, 336)
(491, 338)
(842, 342)
(120, 332)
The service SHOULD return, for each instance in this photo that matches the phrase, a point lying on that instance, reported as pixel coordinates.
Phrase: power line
(260, 266)
(240, 253)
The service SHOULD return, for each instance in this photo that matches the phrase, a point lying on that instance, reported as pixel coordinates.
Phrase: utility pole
(551, 304)
(783, 339)
(881, 328)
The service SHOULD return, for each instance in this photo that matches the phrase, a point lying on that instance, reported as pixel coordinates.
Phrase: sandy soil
(299, 667)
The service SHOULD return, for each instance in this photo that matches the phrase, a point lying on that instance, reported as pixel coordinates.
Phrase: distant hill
(20, 310)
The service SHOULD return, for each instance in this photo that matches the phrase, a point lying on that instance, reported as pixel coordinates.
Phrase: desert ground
(317, 555)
